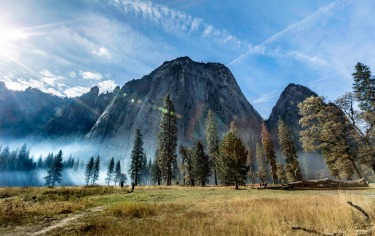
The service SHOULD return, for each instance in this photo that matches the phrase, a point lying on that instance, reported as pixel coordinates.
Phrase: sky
(67, 47)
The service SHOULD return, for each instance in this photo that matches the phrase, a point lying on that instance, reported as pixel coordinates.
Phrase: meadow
(158, 210)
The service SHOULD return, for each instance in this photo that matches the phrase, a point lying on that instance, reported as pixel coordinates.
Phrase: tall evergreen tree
(137, 158)
(24, 162)
(156, 173)
(167, 141)
(96, 170)
(145, 171)
(364, 87)
(363, 120)
(54, 173)
(250, 162)
(89, 170)
(117, 177)
(110, 171)
(39, 162)
(212, 140)
(48, 161)
(292, 169)
(4, 159)
(231, 162)
(281, 173)
(269, 151)
(201, 164)
(262, 164)
(187, 165)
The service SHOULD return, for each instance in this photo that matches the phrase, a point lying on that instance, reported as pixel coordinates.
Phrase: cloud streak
(177, 22)
(301, 25)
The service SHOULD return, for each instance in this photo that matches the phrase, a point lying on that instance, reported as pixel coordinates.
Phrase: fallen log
(328, 183)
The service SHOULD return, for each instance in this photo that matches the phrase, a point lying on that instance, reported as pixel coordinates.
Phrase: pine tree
(117, 177)
(269, 151)
(89, 170)
(364, 87)
(144, 173)
(187, 165)
(167, 141)
(96, 169)
(231, 162)
(137, 158)
(110, 171)
(4, 159)
(250, 162)
(201, 164)
(156, 173)
(262, 164)
(39, 163)
(364, 120)
(48, 161)
(24, 162)
(281, 173)
(54, 173)
(212, 140)
(292, 169)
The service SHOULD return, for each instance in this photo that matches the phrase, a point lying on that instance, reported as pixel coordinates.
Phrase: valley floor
(181, 211)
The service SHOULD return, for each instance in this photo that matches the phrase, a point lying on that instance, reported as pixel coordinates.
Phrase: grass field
(182, 211)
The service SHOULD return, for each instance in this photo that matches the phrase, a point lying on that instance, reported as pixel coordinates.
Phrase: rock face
(287, 109)
(194, 88)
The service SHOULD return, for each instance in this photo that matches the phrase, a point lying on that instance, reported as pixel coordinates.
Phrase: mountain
(286, 108)
(194, 88)
(33, 113)
(79, 115)
(23, 112)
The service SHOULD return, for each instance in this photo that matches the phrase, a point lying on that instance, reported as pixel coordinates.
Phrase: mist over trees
(342, 132)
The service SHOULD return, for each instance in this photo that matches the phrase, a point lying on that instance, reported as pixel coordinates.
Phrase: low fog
(80, 151)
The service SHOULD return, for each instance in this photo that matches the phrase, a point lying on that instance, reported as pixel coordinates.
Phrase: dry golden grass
(221, 211)
(19, 206)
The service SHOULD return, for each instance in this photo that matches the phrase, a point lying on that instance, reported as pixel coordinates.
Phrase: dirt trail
(64, 222)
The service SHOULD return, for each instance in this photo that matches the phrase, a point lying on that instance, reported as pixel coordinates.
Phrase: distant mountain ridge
(112, 118)
(32, 113)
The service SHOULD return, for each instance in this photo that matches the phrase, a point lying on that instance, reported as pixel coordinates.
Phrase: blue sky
(66, 47)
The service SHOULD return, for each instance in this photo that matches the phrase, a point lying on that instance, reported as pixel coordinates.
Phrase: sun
(10, 38)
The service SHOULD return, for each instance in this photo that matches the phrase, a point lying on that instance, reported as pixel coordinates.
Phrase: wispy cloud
(301, 25)
(180, 23)
(266, 98)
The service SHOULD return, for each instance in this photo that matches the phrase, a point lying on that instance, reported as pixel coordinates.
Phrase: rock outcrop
(194, 88)
(287, 109)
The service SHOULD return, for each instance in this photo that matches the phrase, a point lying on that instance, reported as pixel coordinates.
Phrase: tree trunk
(356, 169)
(236, 185)
(215, 176)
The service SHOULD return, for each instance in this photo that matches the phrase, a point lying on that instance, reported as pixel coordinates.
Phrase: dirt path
(64, 222)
